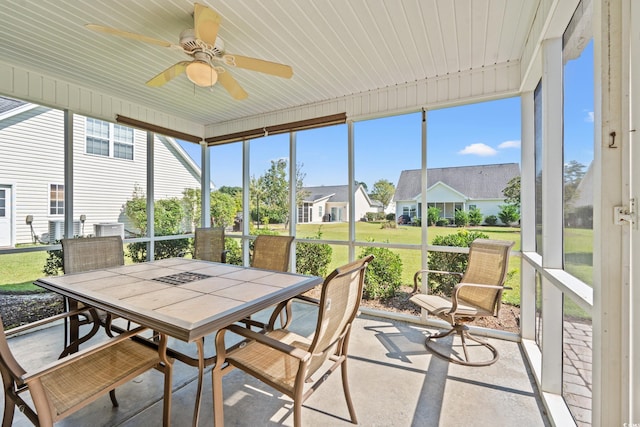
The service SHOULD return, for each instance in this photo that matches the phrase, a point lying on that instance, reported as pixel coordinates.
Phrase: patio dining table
(182, 298)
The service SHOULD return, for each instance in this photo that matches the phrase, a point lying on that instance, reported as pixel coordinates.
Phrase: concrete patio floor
(394, 381)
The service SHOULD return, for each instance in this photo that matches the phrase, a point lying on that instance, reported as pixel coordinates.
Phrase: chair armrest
(419, 272)
(270, 342)
(45, 321)
(83, 353)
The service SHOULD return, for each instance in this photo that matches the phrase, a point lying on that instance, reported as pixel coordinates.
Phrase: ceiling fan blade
(168, 74)
(206, 23)
(134, 36)
(231, 85)
(254, 64)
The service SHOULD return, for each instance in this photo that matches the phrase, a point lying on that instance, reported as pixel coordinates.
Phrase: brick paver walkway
(577, 370)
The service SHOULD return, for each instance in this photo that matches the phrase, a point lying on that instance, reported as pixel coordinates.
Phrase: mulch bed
(20, 308)
(17, 309)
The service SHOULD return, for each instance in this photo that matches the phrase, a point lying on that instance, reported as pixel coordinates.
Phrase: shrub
(383, 276)
(461, 218)
(391, 217)
(417, 221)
(443, 284)
(234, 251)
(441, 222)
(433, 215)
(491, 220)
(313, 258)
(389, 224)
(508, 214)
(475, 217)
(53, 265)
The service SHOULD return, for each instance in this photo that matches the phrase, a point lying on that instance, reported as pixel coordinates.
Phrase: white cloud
(589, 117)
(510, 144)
(478, 149)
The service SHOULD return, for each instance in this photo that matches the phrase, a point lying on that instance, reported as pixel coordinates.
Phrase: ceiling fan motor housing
(191, 44)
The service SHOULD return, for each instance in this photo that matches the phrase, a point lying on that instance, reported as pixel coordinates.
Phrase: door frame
(12, 211)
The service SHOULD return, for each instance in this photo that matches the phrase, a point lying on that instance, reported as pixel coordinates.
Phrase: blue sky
(482, 133)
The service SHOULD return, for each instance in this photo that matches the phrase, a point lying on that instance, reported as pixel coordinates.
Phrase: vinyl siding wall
(32, 154)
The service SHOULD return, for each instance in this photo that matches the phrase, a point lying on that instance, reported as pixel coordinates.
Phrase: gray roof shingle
(475, 182)
(8, 104)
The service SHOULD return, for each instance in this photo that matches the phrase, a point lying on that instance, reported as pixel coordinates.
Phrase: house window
(457, 207)
(472, 207)
(97, 137)
(3, 203)
(123, 142)
(56, 199)
(108, 139)
(320, 211)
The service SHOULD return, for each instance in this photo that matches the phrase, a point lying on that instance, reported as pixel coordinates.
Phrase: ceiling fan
(207, 50)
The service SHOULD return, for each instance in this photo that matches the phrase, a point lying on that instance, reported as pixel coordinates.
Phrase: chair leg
(463, 331)
(297, 413)
(9, 410)
(347, 393)
(112, 396)
(218, 400)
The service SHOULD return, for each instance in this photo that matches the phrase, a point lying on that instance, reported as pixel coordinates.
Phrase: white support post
(611, 398)
(352, 203)
(68, 174)
(634, 288)
(205, 185)
(293, 196)
(246, 208)
(552, 212)
(150, 196)
(527, 216)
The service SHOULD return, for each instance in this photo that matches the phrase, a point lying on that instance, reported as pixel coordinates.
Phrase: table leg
(196, 410)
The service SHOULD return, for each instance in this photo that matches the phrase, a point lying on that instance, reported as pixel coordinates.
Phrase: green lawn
(411, 259)
(18, 271)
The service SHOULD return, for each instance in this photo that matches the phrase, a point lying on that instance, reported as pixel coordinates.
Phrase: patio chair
(79, 255)
(272, 252)
(208, 244)
(289, 362)
(60, 388)
(478, 294)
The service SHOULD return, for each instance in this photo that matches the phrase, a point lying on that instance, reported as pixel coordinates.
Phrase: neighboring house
(329, 203)
(580, 213)
(109, 163)
(455, 188)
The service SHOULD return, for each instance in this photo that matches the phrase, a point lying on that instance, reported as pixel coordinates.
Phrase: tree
(512, 192)
(270, 192)
(383, 191)
(364, 185)
(223, 209)
(573, 174)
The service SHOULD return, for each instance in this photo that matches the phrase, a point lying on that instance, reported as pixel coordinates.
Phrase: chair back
(208, 244)
(92, 253)
(272, 252)
(9, 366)
(339, 303)
(488, 265)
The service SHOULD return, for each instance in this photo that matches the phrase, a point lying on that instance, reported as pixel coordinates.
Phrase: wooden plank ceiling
(336, 47)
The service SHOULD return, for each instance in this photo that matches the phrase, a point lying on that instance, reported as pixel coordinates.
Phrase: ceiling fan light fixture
(202, 74)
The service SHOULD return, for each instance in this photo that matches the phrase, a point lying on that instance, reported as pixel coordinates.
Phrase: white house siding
(362, 204)
(442, 193)
(32, 145)
(487, 207)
